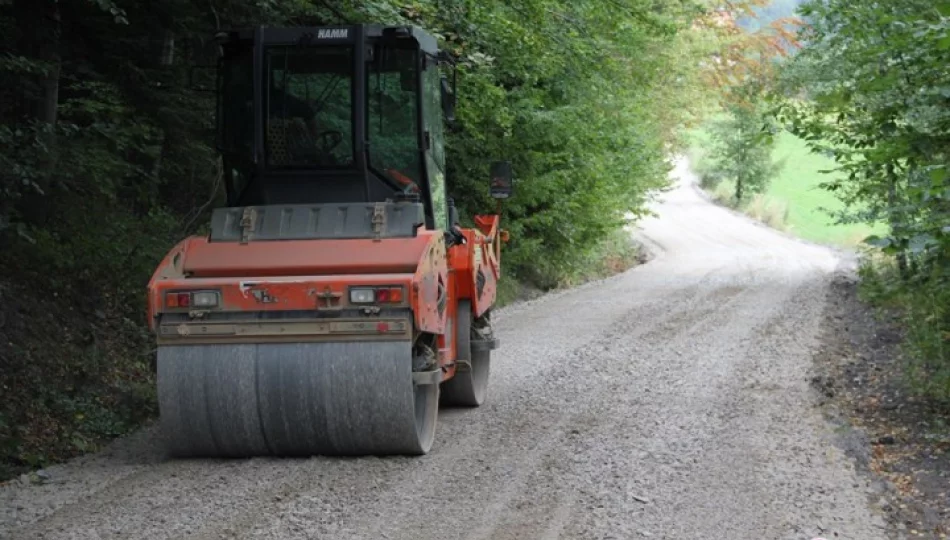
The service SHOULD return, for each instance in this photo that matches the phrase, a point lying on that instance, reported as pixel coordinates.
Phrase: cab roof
(337, 34)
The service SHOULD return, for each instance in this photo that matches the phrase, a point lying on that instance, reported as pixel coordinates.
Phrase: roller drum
(294, 399)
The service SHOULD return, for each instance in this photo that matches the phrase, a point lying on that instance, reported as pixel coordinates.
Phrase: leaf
(877, 241)
(921, 242)
(939, 175)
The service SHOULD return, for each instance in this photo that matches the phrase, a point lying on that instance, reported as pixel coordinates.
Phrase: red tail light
(395, 295)
(377, 295)
(178, 300)
(389, 295)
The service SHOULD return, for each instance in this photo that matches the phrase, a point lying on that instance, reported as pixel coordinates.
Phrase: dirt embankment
(900, 441)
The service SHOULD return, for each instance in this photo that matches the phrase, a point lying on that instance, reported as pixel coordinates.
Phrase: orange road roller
(336, 301)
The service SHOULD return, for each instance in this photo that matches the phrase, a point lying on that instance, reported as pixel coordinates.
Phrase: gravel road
(668, 402)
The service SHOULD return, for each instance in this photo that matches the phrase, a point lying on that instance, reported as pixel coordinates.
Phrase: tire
(467, 388)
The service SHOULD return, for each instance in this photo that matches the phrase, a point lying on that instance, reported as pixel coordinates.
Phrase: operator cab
(334, 115)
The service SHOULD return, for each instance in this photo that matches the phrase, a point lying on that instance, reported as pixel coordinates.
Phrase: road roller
(336, 300)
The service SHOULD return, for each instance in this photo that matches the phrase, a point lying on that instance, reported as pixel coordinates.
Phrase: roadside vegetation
(876, 103)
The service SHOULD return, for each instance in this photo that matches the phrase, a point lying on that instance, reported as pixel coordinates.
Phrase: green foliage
(554, 97)
(794, 200)
(924, 303)
(871, 92)
(877, 86)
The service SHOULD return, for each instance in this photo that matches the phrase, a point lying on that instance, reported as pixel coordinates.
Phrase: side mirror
(501, 180)
(448, 102)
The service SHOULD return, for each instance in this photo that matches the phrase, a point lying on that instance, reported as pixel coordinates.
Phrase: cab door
(434, 137)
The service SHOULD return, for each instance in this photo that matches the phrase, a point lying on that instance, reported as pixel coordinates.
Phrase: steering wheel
(329, 140)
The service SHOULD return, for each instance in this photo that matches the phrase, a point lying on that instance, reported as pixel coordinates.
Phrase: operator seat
(289, 142)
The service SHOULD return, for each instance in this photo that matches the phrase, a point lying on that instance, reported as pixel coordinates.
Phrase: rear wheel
(427, 413)
(469, 386)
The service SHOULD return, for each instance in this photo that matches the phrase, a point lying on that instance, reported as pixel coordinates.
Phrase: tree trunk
(739, 178)
(895, 224)
(166, 59)
(168, 49)
(742, 158)
(44, 44)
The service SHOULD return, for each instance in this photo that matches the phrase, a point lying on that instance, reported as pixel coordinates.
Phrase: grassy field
(794, 202)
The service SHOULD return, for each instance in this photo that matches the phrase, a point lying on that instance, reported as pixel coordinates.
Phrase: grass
(808, 204)
(794, 201)
(923, 304)
(509, 290)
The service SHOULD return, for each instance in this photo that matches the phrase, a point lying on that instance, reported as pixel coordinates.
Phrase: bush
(704, 167)
(725, 194)
(769, 211)
(922, 302)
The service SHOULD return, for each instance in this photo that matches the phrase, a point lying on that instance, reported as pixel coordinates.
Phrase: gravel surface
(672, 401)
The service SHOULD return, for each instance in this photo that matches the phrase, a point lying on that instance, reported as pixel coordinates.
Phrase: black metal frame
(362, 38)
(364, 126)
